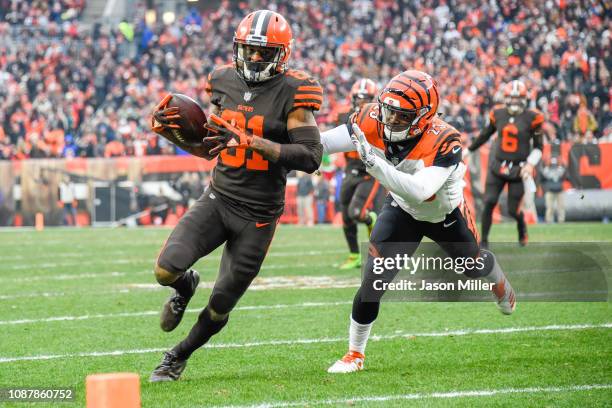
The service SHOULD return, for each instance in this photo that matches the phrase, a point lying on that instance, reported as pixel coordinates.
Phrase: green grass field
(82, 301)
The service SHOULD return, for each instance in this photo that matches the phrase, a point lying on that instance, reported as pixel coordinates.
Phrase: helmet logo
(253, 39)
(391, 101)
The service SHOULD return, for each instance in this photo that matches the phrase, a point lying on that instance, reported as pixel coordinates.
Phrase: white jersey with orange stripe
(424, 175)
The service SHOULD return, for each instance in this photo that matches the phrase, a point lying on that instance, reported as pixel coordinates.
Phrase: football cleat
(351, 362)
(174, 308)
(523, 240)
(484, 244)
(373, 217)
(352, 262)
(170, 369)
(506, 299)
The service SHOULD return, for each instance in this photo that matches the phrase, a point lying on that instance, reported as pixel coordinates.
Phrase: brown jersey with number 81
(253, 184)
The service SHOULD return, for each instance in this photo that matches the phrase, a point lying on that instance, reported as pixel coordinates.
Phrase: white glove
(365, 150)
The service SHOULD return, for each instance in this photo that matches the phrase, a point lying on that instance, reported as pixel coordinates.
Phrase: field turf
(82, 301)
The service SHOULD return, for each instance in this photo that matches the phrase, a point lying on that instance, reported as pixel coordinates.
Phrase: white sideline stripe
(156, 312)
(419, 396)
(464, 332)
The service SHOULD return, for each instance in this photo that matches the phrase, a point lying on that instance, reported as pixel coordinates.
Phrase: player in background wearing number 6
(417, 157)
(263, 126)
(514, 155)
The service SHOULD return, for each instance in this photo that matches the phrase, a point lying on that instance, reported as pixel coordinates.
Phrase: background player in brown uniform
(359, 190)
(515, 153)
(271, 130)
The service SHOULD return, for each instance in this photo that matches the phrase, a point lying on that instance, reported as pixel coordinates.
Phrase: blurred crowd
(67, 90)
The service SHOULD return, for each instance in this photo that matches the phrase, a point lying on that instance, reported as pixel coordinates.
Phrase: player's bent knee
(176, 258)
(479, 270)
(354, 213)
(220, 305)
(490, 203)
(514, 214)
(163, 276)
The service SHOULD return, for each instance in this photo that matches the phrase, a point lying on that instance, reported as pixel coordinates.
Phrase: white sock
(358, 336)
(496, 275)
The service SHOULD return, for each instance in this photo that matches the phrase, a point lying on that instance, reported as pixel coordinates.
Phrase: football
(192, 121)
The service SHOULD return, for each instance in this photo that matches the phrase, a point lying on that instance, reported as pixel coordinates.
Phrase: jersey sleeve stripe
(537, 121)
(309, 96)
(310, 89)
(443, 135)
(308, 101)
(315, 105)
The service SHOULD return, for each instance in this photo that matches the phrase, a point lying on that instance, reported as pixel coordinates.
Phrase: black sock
(487, 218)
(364, 312)
(183, 284)
(350, 233)
(521, 225)
(200, 333)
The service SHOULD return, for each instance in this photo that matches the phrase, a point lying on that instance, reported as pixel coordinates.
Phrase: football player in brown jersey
(514, 155)
(264, 126)
(360, 194)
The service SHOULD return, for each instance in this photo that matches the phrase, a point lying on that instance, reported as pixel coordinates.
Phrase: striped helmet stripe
(362, 86)
(261, 20)
(418, 82)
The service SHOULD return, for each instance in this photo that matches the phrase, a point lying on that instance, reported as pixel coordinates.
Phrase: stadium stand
(73, 86)
(88, 92)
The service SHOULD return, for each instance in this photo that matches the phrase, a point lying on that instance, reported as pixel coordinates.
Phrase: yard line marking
(49, 265)
(150, 272)
(66, 276)
(449, 333)
(262, 283)
(419, 396)
(293, 282)
(195, 309)
(59, 294)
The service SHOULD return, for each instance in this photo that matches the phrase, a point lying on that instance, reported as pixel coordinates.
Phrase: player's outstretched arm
(414, 188)
(337, 140)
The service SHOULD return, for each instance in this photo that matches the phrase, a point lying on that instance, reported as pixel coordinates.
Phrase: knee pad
(172, 259)
(346, 219)
(488, 259)
(163, 276)
(353, 213)
(220, 305)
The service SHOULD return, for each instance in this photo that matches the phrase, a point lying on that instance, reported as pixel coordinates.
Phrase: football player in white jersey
(417, 157)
